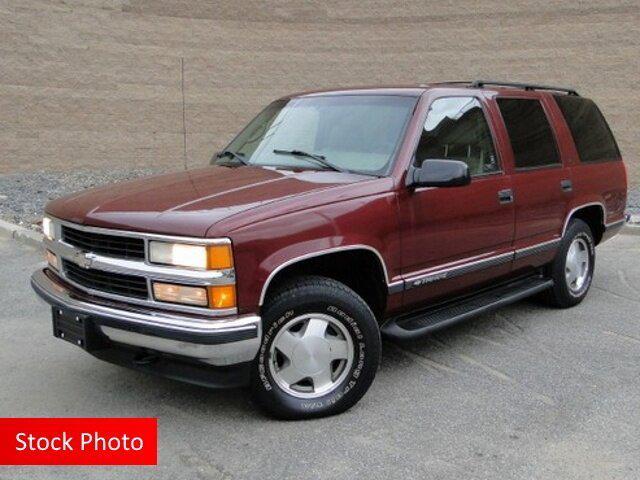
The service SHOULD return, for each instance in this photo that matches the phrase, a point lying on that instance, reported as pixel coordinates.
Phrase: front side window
(456, 129)
(531, 137)
(357, 133)
(591, 134)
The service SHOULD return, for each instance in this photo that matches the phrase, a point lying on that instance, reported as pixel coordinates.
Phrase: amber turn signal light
(222, 296)
(219, 257)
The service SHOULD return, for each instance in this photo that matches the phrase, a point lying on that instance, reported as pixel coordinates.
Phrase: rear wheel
(320, 350)
(572, 269)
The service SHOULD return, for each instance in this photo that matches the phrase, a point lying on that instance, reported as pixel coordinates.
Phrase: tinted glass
(358, 133)
(531, 137)
(589, 129)
(456, 129)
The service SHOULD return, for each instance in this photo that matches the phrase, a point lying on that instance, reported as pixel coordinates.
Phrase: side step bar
(416, 325)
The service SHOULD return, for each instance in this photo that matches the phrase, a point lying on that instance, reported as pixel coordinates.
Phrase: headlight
(200, 257)
(48, 228)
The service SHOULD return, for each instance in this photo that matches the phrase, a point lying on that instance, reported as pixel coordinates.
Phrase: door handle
(566, 185)
(505, 196)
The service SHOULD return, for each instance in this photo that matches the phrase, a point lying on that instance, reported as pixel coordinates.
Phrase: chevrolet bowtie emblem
(83, 259)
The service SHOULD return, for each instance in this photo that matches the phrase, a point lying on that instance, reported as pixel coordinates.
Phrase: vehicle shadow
(511, 321)
(173, 398)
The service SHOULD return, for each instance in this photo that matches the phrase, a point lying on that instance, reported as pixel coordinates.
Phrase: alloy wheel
(311, 355)
(577, 266)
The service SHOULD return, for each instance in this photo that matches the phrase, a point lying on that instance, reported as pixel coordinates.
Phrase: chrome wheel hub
(311, 355)
(576, 267)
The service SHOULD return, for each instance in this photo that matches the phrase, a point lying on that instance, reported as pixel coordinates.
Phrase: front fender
(263, 249)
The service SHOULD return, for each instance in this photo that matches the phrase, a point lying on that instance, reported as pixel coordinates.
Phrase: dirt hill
(104, 83)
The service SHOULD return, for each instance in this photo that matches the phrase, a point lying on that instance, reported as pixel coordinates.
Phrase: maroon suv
(333, 218)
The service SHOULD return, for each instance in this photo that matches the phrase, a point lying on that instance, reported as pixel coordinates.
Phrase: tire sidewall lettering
(263, 353)
(350, 381)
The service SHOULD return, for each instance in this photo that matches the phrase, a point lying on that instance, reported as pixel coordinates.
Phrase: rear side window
(589, 129)
(531, 137)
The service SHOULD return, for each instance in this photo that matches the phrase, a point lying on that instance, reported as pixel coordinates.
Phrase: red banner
(78, 441)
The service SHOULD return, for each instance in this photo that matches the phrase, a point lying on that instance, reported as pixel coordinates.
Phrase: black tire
(314, 294)
(561, 295)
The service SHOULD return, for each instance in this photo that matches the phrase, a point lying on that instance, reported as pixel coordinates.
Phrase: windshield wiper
(237, 156)
(318, 158)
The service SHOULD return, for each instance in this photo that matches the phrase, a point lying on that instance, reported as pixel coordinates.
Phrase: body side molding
(475, 265)
(457, 270)
(537, 248)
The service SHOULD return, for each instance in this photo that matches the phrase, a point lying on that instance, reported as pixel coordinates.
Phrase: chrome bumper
(216, 341)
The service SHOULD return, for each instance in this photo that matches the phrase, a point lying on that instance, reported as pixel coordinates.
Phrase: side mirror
(439, 173)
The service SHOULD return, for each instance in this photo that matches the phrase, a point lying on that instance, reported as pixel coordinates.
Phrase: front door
(457, 237)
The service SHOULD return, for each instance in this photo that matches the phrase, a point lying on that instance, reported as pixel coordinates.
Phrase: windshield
(356, 133)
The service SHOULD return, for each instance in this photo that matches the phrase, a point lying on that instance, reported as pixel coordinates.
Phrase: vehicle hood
(188, 203)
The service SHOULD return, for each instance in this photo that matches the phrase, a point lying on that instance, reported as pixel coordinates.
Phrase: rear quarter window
(591, 133)
(531, 137)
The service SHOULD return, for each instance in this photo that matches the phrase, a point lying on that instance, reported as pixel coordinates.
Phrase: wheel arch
(332, 263)
(593, 214)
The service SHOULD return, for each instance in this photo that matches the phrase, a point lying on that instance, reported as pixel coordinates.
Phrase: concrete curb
(20, 234)
(630, 229)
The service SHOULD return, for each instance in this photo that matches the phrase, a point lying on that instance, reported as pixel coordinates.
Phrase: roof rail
(525, 86)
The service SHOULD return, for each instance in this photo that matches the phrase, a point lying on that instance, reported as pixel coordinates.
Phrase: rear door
(541, 183)
(458, 237)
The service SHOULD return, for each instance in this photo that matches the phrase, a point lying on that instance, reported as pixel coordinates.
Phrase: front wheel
(320, 350)
(572, 269)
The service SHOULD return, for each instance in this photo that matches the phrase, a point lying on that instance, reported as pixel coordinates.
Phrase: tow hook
(145, 359)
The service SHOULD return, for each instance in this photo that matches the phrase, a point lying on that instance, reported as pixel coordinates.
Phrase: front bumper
(203, 340)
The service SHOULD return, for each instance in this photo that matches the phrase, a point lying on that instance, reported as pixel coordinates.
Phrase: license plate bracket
(76, 328)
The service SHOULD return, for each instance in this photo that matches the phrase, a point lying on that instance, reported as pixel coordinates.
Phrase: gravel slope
(24, 195)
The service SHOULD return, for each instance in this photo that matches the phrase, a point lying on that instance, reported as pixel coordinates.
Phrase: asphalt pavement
(527, 392)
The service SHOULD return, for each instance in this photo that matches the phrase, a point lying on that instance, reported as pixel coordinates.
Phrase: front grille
(108, 282)
(109, 245)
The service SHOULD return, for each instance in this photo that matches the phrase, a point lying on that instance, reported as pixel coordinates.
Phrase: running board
(416, 325)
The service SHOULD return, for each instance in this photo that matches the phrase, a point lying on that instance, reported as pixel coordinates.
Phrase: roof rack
(525, 86)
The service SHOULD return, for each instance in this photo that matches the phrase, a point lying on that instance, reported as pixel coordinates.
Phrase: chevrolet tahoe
(334, 219)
